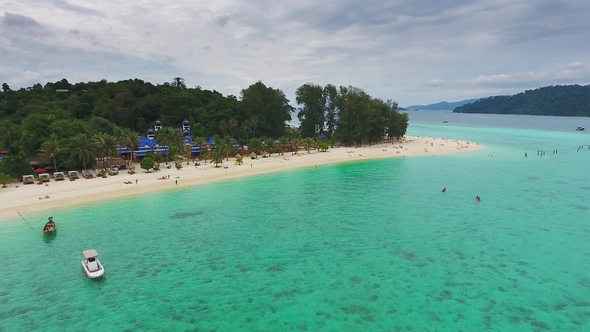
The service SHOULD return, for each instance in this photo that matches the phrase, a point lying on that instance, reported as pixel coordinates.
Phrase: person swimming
(444, 189)
(477, 198)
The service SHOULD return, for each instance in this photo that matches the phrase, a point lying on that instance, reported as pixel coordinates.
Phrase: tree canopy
(81, 125)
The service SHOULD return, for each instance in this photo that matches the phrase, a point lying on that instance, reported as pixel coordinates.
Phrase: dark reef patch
(185, 215)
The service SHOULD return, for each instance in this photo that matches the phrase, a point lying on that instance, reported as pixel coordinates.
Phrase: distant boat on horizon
(580, 129)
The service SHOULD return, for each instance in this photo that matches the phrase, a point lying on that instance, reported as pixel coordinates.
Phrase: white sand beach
(31, 199)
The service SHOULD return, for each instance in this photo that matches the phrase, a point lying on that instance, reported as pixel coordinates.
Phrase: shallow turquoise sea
(366, 246)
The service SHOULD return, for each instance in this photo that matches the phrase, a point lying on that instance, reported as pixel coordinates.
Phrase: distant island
(559, 100)
(442, 106)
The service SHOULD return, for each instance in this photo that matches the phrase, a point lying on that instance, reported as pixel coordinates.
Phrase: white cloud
(415, 52)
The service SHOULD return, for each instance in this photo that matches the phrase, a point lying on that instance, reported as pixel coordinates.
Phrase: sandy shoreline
(33, 198)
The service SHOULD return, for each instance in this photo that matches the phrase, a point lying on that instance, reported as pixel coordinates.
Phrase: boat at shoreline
(580, 129)
(50, 227)
(92, 267)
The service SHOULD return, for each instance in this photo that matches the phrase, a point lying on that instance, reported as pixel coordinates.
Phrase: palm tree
(226, 147)
(309, 143)
(232, 125)
(255, 145)
(10, 133)
(129, 139)
(283, 143)
(106, 147)
(172, 138)
(217, 158)
(253, 124)
(50, 150)
(270, 145)
(83, 149)
(295, 144)
(200, 142)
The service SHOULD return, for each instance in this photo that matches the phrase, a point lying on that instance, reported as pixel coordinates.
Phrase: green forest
(75, 126)
(559, 100)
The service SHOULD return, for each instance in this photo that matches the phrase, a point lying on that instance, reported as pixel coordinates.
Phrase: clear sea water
(366, 246)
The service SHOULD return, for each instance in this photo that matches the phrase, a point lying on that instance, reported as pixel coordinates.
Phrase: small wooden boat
(50, 227)
(92, 267)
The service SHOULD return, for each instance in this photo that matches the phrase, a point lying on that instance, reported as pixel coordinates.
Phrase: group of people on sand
(477, 198)
(165, 177)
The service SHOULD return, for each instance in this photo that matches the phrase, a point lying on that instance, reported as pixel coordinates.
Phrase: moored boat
(49, 227)
(580, 129)
(92, 267)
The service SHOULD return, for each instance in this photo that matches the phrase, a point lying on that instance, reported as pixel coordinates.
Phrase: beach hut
(44, 177)
(28, 179)
(59, 176)
(253, 155)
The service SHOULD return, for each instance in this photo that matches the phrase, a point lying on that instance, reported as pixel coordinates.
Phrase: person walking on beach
(176, 182)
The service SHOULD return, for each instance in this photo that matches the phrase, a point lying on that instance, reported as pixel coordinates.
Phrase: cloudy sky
(411, 51)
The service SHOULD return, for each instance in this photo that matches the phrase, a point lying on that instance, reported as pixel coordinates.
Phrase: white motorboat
(91, 265)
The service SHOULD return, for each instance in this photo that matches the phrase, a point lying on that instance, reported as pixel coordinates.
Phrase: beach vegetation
(282, 145)
(50, 149)
(323, 146)
(270, 145)
(266, 110)
(9, 133)
(16, 164)
(256, 145)
(217, 158)
(130, 139)
(105, 148)
(172, 139)
(295, 143)
(239, 160)
(47, 117)
(147, 163)
(312, 113)
(309, 143)
(83, 149)
(5, 179)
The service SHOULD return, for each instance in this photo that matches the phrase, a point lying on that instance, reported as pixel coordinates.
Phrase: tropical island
(189, 136)
(559, 100)
(82, 125)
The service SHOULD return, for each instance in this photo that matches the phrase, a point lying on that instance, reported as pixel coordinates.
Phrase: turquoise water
(367, 246)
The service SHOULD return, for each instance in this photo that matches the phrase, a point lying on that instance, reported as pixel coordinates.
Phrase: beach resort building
(149, 143)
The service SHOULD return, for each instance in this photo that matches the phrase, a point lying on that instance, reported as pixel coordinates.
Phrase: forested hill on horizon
(559, 100)
(442, 106)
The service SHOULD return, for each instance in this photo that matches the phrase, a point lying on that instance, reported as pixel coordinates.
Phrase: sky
(409, 51)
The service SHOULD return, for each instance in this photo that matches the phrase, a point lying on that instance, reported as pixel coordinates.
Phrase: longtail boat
(49, 227)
